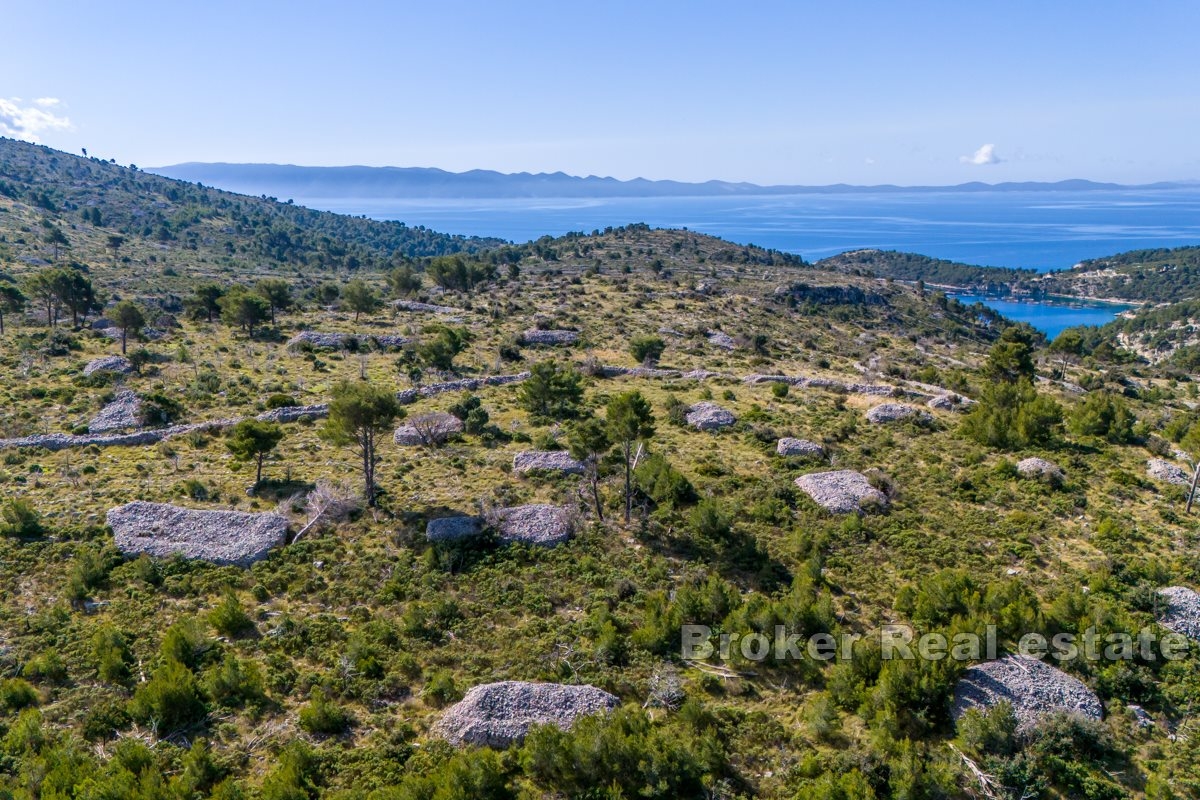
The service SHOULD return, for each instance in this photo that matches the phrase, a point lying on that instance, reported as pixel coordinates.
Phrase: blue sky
(812, 93)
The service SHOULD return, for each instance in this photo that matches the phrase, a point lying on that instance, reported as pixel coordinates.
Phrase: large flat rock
(501, 714)
(1033, 688)
(117, 364)
(546, 461)
(221, 537)
(706, 416)
(895, 412)
(1163, 470)
(122, 413)
(788, 446)
(539, 524)
(1182, 613)
(550, 337)
(841, 491)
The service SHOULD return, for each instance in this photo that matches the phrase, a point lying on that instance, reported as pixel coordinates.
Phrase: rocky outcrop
(295, 413)
(842, 491)
(701, 375)
(220, 537)
(453, 529)
(708, 416)
(550, 337)
(1032, 687)
(122, 413)
(831, 295)
(1040, 468)
(428, 429)
(546, 461)
(950, 401)
(721, 340)
(462, 385)
(610, 371)
(346, 341)
(501, 714)
(118, 364)
(895, 412)
(423, 308)
(543, 525)
(788, 446)
(1165, 471)
(1182, 612)
(63, 441)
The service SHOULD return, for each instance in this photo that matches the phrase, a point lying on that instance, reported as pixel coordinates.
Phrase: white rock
(1039, 468)
(501, 714)
(1032, 687)
(546, 460)
(707, 416)
(551, 337)
(538, 524)
(894, 412)
(1167, 472)
(222, 537)
(1182, 612)
(117, 364)
(841, 491)
(788, 446)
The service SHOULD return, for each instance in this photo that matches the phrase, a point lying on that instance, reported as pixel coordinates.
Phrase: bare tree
(431, 429)
(327, 503)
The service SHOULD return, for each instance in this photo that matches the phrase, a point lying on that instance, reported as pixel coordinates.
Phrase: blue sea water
(1043, 230)
(1051, 318)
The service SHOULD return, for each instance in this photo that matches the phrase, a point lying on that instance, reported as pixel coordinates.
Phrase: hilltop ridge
(289, 180)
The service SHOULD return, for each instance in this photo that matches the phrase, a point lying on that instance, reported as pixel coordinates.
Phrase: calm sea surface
(1042, 230)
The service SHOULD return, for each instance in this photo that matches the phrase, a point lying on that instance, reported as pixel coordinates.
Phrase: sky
(773, 92)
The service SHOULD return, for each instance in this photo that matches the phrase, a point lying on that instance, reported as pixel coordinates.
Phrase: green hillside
(913, 267)
(329, 668)
(1153, 276)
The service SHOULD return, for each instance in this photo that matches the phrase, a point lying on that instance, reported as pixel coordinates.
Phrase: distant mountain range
(286, 181)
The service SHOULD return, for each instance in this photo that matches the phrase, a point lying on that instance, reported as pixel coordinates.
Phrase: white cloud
(19, 120)
(983, 156)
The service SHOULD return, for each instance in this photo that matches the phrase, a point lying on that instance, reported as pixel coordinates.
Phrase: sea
(1043, 230)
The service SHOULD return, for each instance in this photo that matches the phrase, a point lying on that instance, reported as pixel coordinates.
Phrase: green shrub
(780, 390)
(111, 655)
(20, 520)
(1011, 416)
(159, 410)
(234, 683)
(281, 401)
(16, 694)
(1105, 415)
(46, 666)
(624, 752)
(989, 733)
(323, 716)
(662, 483)
(647, 349)
(440, 689)
(229, 618)
(170, 700)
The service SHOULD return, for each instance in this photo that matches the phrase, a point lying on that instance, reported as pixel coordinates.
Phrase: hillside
(96, 200)
(331, 661)
(913, 267)
(1152, 276)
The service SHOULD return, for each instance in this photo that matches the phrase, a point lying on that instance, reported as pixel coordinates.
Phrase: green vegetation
(322, 670)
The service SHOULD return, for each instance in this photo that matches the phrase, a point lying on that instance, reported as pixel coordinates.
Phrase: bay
(1049, 317)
